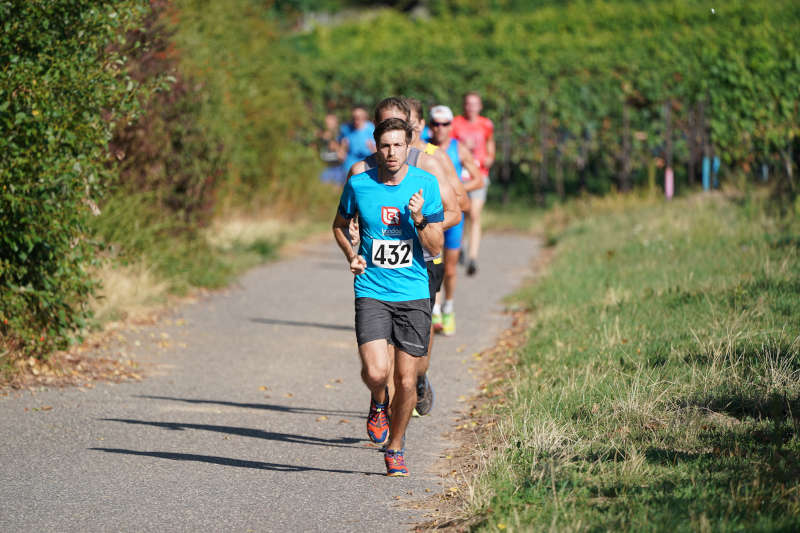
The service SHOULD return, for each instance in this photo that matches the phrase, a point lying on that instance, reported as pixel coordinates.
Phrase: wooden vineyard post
(669, 176)
(505, 169)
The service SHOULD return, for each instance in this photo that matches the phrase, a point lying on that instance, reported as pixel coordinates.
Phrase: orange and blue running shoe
(395, 463)
(378, 421)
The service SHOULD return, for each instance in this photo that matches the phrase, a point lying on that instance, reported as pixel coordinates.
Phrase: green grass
(515, 216)
(660, 386)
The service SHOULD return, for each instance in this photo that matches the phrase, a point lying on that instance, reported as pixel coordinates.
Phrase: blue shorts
(336, 175)
(452, 236)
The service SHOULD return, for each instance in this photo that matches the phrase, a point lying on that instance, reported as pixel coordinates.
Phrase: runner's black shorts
(405, 325)
(435, 277)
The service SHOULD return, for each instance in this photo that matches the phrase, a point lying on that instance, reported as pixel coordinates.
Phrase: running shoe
(449, 324)
(378, 421)
(472, 268)
(436, 320)
(395, 463)
(425, 395)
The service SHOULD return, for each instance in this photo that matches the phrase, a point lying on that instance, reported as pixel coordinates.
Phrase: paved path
(201, 446)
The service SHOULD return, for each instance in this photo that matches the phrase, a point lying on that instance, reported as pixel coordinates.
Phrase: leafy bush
(250, 103)
(585, 95)
(167, 152)
(62, 87)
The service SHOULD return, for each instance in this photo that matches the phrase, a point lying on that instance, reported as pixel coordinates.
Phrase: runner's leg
(390, 380)
(450, 271)
(475, 227)
(405, 397)
(375, 368)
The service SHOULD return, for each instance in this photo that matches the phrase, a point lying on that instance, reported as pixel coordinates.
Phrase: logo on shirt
(390, 216)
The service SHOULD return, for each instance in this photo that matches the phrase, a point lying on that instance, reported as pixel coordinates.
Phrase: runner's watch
(422, 224)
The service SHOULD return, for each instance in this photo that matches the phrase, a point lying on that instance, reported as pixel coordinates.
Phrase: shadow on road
(267, 406)
(226, 461)
(281, 322)
(342, 442)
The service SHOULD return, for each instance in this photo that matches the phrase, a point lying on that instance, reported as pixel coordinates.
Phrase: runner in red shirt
(477, 134)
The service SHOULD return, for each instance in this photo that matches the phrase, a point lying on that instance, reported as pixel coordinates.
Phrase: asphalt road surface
(252, 414)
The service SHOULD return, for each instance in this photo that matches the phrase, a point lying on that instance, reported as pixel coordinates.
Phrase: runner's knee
(406, 382)
(375, 374)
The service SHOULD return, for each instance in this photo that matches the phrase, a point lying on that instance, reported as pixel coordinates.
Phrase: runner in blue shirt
(443, 315)
(355, 138)
(400, 213)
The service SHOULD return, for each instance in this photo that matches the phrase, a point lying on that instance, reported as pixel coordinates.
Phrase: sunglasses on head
(438, 124)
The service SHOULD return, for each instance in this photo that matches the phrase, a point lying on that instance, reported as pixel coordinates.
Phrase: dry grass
(128, 293)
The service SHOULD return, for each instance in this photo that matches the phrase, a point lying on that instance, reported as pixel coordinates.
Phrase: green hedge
(250, 103)
(586, 94)
(62, 87)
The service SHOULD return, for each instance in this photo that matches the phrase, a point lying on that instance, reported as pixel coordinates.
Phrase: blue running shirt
(396, 269)
(358, 142)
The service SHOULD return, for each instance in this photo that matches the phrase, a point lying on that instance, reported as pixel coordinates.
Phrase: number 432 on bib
(392, 254)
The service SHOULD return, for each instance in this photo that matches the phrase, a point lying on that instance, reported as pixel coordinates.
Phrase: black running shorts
(435, 277)
(406, 325)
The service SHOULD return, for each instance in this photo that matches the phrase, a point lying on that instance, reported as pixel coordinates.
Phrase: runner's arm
(491, 148)
(341, 227)
(452, 213)
(355, 238)
(462, 198)
(344, 146)
(431, 237)
(469, 163)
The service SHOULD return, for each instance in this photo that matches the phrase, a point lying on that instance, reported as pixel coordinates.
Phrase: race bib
(392, 254)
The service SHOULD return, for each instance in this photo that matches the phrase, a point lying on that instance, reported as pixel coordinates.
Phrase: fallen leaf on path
(329, 386)
(289, 395)
(263, 387)
(461, 348)
(321, 418)
(344, 421)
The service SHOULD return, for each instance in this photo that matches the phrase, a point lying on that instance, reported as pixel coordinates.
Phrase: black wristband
(422, 224)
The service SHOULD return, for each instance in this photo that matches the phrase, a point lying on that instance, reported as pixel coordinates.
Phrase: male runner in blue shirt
(400, 212)
(454, 200)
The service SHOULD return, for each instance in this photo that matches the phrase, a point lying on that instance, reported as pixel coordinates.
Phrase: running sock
(448, 306)
(437, 310)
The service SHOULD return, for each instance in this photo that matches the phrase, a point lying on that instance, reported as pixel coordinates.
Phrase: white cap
(442, 112)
